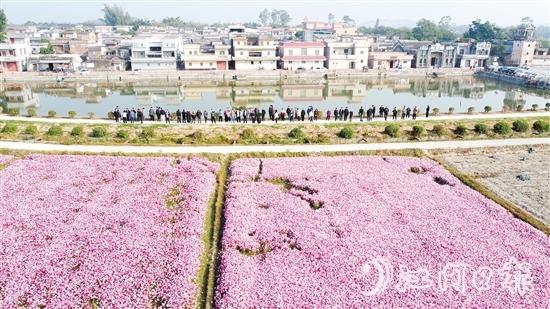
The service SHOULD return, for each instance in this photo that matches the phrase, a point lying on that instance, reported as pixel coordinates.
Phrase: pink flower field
(98, 231)
(372, 232)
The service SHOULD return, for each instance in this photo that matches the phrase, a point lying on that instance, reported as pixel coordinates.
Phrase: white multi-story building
(19, 96)
(307, 55)
(206, 58)
(348, 53)
(252, 51)
(15, 52)
(156, 53)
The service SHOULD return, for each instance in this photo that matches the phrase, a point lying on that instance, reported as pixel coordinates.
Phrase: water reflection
(443, 93)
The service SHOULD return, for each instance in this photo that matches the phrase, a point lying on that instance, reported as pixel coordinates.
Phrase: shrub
(14, 111)
(55, 130)
(439, 130)
(148, 132)
(320, 114)
(392, 130)
(31, 112)
(481, 128)
(297, 133)
(52, 113)
(99, 132)
(520, 125)
(502, 127)
(198, 136)
(248, 134)
(122, 134)
(9, 128)
(461, 129)
(436, 111)
(91, 115)
(541, 126)
(535, 107)
(471, 109)
(488, 108)
(346, 132)
(31, 130)
(451, 110)
(417, 131)
(505, 108)
(72, 114)
(111, 115)
(519, 108)
(77, 131)
(547, 106)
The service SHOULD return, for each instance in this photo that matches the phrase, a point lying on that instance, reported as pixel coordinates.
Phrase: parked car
(84, 71)
(320, 69)
(520, 73)
(300, 69)
(136, 71)
(502, 69)
(68, 70)
(400, 68)
(525, 66)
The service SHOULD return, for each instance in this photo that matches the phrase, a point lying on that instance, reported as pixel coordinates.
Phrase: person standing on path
(361, 111)
(328, 114)
(403, 112)
(386, 111)
(415, 111)
(394, 114)
(427, 111)
(212, 116)
(151, 114)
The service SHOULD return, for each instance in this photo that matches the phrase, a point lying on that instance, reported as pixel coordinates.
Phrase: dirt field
(500, 170)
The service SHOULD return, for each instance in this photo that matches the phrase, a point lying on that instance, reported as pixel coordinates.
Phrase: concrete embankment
(220, 76)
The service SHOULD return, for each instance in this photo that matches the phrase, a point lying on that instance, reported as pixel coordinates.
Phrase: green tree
(330, 18)
(275, 18)
(115, 15)
(136, 23)
(426, 30)
(264, 17)
(445, 23)
(173, 22)
(497, 49)
(3, 23)
(346, 19)
(284, 18)
(47, 50)
(486, 31)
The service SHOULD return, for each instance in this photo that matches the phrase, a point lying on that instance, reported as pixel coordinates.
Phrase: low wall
(220, 76)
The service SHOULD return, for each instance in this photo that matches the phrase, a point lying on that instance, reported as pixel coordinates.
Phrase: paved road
(494, 115)
(272, 148)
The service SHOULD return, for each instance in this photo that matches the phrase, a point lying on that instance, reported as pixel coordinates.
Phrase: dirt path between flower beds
(272, 148)
(520, 177)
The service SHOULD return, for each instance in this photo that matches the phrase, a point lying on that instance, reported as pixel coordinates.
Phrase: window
(304, 51)
(210, 63)
(346, 51)
(251, 62)
(190, 63)
(362, 52)
(290, 52)
(290, 92)
(303, 61)
(316, 61)
(290, 62)
(267, 43)
(315, 92)
(361, 60)
(260, 62)
(268, 53)
(238, 43)
(302, 92)
(200, 64)
(528, 45)
(190, 52)
(159, 64)
(148, 64)
(241, 53)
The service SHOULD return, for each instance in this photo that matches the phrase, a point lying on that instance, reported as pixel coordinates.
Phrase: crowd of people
(256, 115)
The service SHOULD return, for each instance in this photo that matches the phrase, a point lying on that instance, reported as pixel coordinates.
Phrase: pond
(443, 93)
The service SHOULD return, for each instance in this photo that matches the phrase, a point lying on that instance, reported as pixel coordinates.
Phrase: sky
(503, 12)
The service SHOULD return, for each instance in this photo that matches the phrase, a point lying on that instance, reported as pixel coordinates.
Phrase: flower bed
(118, 232)
(4, 159)
(372, 232)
